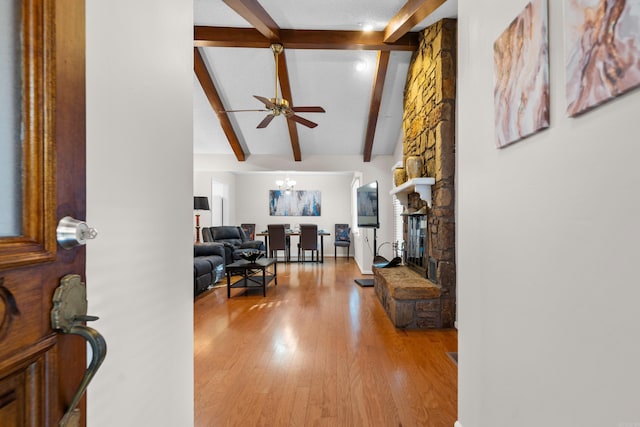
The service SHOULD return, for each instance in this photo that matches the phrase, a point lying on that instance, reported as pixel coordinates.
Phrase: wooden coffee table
(251, 277)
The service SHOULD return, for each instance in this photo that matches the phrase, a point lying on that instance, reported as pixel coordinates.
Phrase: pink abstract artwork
(602, 48)
(521, 74)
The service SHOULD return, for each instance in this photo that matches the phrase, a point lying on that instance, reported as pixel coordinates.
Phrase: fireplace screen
(416, 250)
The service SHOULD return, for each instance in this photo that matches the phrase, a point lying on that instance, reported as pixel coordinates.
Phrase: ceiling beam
(211, 92)
(376, 99)
(255, 15)
(285, 88)
(303, 39)
(410, 15)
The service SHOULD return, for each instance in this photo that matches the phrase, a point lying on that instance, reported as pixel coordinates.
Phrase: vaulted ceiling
(330, 59)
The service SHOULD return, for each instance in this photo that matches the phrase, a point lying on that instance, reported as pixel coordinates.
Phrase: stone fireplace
(429, 132)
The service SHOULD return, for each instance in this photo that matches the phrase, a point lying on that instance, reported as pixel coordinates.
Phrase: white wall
(547, 242)
(251, 195)
(252, 202)
(203, 186)
(139, 197)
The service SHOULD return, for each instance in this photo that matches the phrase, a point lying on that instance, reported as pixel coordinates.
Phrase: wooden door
(44, 101)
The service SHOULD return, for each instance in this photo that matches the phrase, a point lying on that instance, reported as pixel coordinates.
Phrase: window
(354, 200)
(398, 237)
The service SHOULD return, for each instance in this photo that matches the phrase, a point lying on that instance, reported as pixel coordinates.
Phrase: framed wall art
(521, 75)
(602, 48)
(294, 203)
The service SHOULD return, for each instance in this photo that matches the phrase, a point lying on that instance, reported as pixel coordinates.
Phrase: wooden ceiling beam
(255, 15)
(285, 88)
(410, 15)
(202, 73)
(376, 99)
(302, 39)
(267, 27)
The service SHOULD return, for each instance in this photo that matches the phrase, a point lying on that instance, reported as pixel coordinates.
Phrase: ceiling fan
(280, 106)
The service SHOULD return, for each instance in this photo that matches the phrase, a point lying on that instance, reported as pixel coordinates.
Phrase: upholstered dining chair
(342, 239)
(278, 241)
(308, 241)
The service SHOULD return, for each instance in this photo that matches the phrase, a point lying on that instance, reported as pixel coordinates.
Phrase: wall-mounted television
(367, 205)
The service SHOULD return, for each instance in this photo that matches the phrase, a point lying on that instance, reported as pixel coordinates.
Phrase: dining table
(294, 232)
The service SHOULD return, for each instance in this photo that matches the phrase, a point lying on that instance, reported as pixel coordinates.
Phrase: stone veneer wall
(429, 131)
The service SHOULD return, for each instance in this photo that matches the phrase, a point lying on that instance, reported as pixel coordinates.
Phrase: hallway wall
(547, 244)
(140, 199)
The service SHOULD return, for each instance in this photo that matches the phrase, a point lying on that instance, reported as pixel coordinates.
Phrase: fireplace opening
(417, 244)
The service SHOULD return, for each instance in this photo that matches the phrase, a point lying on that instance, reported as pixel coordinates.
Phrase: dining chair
(343, 239)
(308, 241)
(278, 241)
(287, 230)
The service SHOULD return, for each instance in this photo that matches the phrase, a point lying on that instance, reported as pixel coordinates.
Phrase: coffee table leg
(275, 274)
(264, 281)
(246, 282)
(228, 284)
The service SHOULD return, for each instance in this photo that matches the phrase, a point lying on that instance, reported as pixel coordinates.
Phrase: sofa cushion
(208, 265)
(226, 233)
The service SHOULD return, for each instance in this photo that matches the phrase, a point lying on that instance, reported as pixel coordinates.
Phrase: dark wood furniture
(308, 241)
(321, 233)
(277, 241)
(251, 277)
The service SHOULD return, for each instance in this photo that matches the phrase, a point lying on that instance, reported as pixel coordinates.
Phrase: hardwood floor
(318, 350)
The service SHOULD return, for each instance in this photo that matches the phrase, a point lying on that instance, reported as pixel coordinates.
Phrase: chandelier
(287, 183)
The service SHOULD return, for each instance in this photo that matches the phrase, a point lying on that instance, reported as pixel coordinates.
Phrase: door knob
(72, 232)
(68, 315)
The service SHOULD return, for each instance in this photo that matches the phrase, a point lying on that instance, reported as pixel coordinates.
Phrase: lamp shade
(200, 203)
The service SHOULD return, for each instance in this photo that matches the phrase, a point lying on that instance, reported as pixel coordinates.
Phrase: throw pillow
(343, 234)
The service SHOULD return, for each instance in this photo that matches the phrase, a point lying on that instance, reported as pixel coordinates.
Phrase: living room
(245, 200)
(546, 233)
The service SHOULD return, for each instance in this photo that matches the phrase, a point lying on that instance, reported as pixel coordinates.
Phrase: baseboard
(457, 424)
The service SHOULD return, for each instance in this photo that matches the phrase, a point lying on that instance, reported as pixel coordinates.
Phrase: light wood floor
(318, 351)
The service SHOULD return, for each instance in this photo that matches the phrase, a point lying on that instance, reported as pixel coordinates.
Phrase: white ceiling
(328, 78)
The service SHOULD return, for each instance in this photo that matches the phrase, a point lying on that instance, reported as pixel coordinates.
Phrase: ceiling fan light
(279, 183)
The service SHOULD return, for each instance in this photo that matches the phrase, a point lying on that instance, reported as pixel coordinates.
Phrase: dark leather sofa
(233, 239)
(208, 266)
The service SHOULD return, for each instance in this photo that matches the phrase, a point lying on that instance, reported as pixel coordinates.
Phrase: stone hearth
(410, 300)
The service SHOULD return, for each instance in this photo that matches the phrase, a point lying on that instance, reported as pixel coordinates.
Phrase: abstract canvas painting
(294, 203)
(602, 48)
(521, 75)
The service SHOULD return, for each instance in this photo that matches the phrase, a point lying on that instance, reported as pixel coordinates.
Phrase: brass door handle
(67, 316)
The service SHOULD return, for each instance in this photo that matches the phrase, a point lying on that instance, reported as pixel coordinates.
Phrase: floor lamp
(200, 203)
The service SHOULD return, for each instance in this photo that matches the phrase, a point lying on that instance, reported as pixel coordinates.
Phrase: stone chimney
(429, 132)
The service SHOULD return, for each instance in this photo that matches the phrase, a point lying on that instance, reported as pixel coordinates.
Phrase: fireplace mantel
(421, 186)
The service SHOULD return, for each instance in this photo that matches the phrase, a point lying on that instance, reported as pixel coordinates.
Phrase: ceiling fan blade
(308, 109)
(265, 101)
(240, 111)
(302, 121)
(265, 122)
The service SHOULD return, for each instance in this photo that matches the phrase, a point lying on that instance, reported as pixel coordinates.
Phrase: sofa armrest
(205, 249)
(253, 244)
